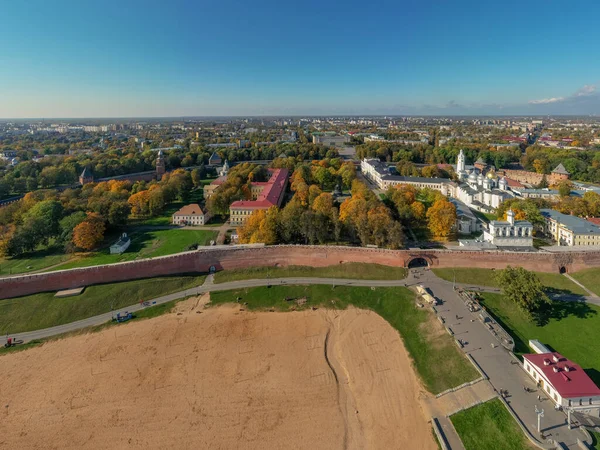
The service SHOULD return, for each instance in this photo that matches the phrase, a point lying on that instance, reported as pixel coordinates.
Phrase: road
(206, 287)
(500, 366)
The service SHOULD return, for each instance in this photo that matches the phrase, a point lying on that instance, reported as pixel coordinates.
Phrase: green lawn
(573, 330)
(355, 271)
(34, 312)
(146, 313)
(32, 261)
(595, 440)
(147, 244)
(590, 278)
(489, 426)
(424, 337)
(485, 277)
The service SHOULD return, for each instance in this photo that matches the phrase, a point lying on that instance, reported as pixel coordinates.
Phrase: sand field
(218, 378)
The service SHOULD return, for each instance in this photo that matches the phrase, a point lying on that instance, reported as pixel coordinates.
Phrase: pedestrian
(539, 398)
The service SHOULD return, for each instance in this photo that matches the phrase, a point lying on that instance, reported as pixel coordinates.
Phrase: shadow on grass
(557, 310)
(561, 309)
(594, 375)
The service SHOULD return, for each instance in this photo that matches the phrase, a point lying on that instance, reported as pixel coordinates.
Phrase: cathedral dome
(492, 174)
(472, 177)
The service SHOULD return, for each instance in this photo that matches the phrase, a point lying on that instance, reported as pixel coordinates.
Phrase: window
(555, 397)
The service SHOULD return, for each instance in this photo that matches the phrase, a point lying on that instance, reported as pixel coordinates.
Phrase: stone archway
(212, 269)
(562, 270)
(417, 262)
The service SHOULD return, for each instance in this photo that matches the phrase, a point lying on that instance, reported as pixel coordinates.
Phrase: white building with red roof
(190, 215)
(564, 382)
(264, 195)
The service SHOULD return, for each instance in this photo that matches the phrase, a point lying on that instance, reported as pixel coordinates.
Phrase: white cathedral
(483, 193)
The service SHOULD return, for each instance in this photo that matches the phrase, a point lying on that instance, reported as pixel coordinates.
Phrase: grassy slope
(356, 271)
(485, 277)
(590, 278)
(31, 262)
(37, 311)
(489, 426)
(396, 305)
(147, 244)
(573, 330)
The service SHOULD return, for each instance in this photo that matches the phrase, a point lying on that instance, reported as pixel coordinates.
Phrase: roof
(190, 210)
(480, 161)
(560, 169)
(572, 383)
(84, 173)
(400, 178)
(270, 195)
(513, 183)
(575, 224)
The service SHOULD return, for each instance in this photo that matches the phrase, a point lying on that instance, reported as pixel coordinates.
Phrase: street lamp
(540, 414)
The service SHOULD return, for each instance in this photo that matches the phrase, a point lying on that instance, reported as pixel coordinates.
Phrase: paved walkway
(499, 365)
(590, 293)
(502, 369)
(206, 287)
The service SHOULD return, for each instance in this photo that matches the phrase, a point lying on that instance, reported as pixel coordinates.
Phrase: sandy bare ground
(218, 379)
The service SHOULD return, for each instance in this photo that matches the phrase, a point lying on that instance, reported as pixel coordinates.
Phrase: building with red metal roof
(563, 381)
(265, 195)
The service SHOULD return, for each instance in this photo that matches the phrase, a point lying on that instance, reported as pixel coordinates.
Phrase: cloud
(586, 91)
(545, 101)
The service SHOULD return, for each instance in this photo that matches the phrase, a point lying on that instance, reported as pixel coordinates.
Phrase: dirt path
(217, 378)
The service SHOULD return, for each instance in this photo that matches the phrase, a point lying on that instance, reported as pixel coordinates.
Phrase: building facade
(565, 382)
(378, 173)
(264, 195)
(569, 230)
(509, 233)
(190, 215)
(121, 245)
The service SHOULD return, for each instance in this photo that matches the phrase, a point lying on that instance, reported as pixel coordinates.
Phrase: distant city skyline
(69, 59)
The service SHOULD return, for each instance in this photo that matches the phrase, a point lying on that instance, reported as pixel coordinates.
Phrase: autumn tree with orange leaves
(89, 233)
(441, 218)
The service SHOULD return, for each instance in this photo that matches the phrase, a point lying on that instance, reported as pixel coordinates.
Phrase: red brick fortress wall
(315, 256)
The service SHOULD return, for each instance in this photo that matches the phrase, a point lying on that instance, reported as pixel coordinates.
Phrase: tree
(564, 188)
(42, 221)
(260, 227)
(441, 218)
(524, 289)
(118, 213)
(323, 204)
(89, 233)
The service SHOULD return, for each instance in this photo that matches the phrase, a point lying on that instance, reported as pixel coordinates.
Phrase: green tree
(524, 289)
(119, 212)
(564, 188)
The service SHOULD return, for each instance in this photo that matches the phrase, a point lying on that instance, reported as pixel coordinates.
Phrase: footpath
(503, 369)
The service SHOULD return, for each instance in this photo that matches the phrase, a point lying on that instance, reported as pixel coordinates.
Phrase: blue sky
(156, 58)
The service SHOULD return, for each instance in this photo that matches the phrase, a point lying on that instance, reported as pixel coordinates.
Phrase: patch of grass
(146, 244)
(553, 282)
(595, 440)
(34, 312)
(147, 313)
(355, 271)
(590, 278)
(33, 261)
(572, 330)
(424, 337)
(489, 425)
